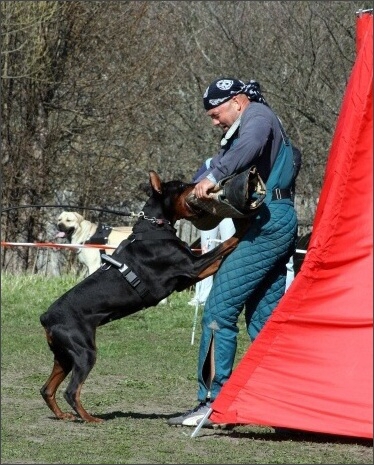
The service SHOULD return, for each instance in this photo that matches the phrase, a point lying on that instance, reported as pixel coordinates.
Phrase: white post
(194, 321)
(202, 422)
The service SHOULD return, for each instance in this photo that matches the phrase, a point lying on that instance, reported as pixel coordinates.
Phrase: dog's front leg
(224, 249)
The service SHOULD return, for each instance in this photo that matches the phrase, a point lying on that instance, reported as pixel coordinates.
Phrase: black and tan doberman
(145, 268)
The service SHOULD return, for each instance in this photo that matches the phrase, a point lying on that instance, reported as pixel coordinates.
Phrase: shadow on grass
(135, 415)
(279, 434)
(118, 414)
(285, 434)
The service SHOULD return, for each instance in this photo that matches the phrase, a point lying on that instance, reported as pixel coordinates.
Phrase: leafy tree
(94, 94)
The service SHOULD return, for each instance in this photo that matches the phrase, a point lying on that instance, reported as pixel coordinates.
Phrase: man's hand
(202, 188)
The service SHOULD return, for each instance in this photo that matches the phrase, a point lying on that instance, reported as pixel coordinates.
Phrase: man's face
(226, 114)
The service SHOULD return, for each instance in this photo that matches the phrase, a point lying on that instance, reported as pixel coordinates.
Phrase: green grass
(145, 372)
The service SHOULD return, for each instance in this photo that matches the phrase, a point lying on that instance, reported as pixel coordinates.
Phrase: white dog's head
(69, 224)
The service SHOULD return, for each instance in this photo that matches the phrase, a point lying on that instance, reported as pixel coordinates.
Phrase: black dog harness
(100, 237)
(126, 272)
(129, 275)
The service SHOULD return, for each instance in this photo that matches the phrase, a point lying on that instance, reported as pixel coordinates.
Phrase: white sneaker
(192, 417)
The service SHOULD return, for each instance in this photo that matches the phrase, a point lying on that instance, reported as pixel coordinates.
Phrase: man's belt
(279, 194)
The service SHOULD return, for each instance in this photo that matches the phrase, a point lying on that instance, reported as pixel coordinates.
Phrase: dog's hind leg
(82, 366)
(48, 391)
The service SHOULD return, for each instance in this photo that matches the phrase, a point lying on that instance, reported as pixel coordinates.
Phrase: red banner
(311, 367)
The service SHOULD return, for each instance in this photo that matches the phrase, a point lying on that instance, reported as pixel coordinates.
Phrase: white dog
(77, 230)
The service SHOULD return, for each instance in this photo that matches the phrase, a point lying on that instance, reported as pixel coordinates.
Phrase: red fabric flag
(311, 367)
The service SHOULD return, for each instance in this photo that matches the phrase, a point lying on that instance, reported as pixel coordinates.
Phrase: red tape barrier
(57, 246)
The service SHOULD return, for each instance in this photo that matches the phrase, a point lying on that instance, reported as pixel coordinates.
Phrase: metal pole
(201, 424)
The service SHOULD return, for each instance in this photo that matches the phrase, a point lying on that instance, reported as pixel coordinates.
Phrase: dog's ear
(155, 181)
(78, 217)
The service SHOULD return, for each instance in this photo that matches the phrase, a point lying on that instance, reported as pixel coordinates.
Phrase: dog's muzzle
(66, 232)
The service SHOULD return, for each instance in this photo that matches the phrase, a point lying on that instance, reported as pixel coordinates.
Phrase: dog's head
(68, 223)
(171, 197)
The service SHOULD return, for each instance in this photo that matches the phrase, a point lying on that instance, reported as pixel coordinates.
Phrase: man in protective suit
(253, 276)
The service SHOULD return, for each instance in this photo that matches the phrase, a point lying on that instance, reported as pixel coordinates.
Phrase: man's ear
(155, 181)
(240, 100)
